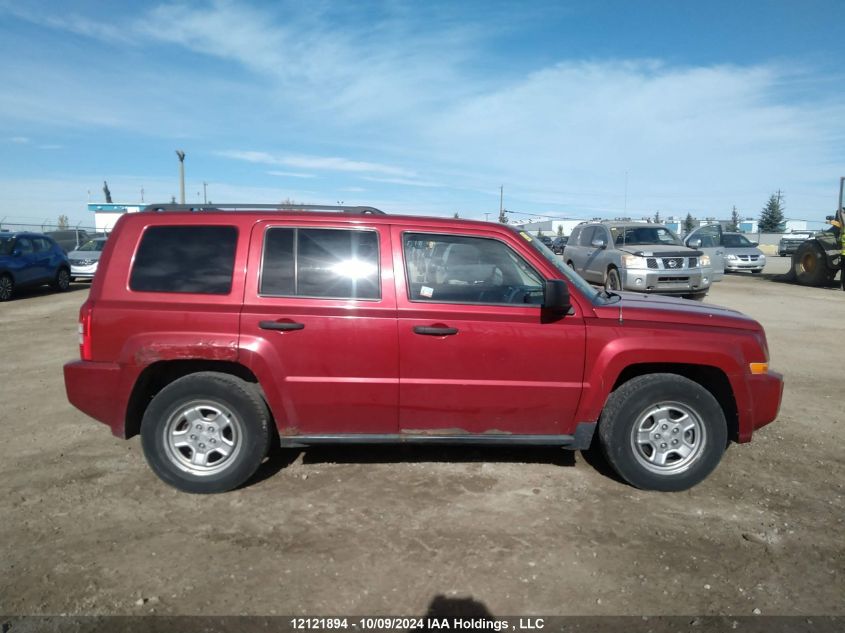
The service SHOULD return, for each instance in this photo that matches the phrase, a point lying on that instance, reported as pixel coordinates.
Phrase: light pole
(205, 192)
(181, 155)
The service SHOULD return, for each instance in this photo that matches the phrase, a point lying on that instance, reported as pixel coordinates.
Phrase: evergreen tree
(560, 230)
(771, 217)
(734, 225)
(657, 217)
(689, 223)
(539, 233)
(457, 215)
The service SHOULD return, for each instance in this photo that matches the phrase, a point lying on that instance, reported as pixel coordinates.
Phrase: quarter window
(322, 263)
(185, 259)
(460, 269)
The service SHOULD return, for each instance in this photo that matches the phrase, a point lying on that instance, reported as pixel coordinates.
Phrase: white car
(84, 260)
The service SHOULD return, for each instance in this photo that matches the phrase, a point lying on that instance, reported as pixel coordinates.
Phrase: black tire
(810, 264)
(221, 412)
(7, 287)
(62, 280)
(625, 423)
(612, 280)
(756, 272)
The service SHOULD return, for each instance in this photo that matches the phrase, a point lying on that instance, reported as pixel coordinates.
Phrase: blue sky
(425, 107)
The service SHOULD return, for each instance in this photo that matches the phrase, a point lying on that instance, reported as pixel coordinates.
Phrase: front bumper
(82, 272)
(684, 281)
(765, 393)
(744, 265)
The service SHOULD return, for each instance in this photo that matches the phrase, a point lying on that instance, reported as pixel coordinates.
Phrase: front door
(475, 353)
(320, 315)
(710, 236)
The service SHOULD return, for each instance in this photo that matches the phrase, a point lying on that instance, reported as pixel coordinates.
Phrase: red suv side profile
(214, 331)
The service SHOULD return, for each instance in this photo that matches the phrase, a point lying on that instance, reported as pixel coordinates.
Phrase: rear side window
(185, 259)
(587, 236)
(321, 263)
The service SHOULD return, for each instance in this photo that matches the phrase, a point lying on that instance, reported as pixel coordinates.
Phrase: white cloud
(19, 140)
(290, 174)
(326, 163)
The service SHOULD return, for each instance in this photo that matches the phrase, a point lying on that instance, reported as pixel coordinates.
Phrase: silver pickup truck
(638, 256)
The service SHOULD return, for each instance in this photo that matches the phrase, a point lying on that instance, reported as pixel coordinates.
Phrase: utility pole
(502, 217)
(204, 192)
(142, 194)
(181, 155)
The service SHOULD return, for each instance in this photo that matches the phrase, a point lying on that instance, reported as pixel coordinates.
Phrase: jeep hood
(634, 306)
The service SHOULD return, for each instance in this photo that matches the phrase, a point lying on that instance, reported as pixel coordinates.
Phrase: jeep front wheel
(663, 432)
(206, 432)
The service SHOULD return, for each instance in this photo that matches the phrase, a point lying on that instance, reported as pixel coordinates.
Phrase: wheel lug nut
(657, 436)
(202, 445)
(664, 427)
(199, 427)
(211, 429)
(193, 437)
(674, 441)
(675, 430)
(662, 445)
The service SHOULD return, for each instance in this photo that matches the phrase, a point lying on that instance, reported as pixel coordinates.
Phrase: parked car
(213, 334)
(31, 259)
(546, 239)
(559, 243)
(742, 254)
(69, 239)
(708, 240)
(83, 261)
(637, 256)
(790, 242)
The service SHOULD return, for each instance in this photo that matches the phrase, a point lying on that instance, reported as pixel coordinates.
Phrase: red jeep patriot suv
(216, 331)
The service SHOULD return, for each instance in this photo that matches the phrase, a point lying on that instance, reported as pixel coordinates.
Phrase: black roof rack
(251, 207)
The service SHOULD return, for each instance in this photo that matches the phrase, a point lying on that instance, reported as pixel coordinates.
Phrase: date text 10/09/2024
(404, 624)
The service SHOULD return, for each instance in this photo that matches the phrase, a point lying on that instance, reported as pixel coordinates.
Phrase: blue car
(31, 259)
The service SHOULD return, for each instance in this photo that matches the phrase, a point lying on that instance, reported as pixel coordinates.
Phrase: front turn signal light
(759, 368)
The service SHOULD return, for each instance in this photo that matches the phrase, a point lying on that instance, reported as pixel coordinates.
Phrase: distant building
(548, 227)
(107, 213)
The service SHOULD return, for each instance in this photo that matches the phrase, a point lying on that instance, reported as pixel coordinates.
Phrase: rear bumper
(95, 389)
(766, 391)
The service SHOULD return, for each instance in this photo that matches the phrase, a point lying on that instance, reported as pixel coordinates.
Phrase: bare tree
(63, 222)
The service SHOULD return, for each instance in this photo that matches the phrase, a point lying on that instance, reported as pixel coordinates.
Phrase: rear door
(25, 262)
(476, 353)
(596, 264)
(710, 236)
(319, 323)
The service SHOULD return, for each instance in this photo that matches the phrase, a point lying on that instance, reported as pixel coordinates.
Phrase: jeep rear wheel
(206, 432)
(663, 432)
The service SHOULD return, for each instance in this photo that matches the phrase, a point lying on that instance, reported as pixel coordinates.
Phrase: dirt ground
(87, 528)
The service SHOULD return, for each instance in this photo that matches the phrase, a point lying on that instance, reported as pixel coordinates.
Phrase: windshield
(93, 245)
(6, 242)
(571, 275)
(735, 240)
(643, 235)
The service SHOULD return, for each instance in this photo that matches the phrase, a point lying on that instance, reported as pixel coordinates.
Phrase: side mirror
(556, 296)
(16, 252)
(694, 243)
(755, 243)
(599, 243)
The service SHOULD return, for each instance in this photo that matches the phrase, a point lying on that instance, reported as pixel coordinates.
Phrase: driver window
(24, 245)
(461, 269)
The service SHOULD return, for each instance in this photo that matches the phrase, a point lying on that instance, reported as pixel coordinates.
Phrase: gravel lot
(87, 528)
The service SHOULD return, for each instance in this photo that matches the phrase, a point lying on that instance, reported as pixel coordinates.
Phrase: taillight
(85, 314)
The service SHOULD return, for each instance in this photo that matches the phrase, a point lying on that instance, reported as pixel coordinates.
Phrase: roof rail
(269, 207)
